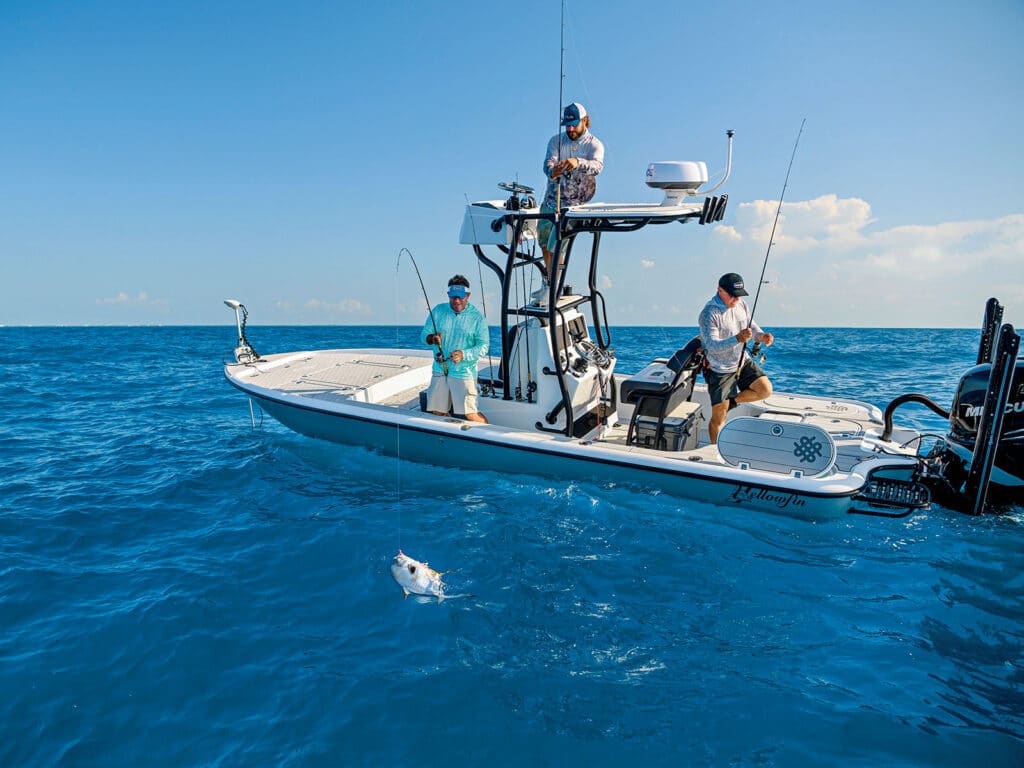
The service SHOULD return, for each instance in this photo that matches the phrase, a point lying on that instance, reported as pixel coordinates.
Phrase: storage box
(681, 429)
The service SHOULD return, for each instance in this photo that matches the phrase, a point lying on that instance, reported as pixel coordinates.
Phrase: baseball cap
(457, 291)
(732, 284)
(573, 114)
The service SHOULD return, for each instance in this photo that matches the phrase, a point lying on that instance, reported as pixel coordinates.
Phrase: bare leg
(717, 419)
(759, 389)
(478, 417)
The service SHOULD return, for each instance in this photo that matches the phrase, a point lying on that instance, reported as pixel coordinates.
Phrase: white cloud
(839, 269)
(646, 263)
(802, 225)
(343, 307)
(123, 299)
(317, 311)
(606, 282)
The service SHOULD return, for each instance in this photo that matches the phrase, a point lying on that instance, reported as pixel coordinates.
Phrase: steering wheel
(515, 188)
(592, 353)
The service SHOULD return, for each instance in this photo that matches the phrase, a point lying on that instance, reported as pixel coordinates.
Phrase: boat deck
(372, 376)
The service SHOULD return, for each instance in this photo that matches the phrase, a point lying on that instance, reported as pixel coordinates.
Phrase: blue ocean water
(178, 589)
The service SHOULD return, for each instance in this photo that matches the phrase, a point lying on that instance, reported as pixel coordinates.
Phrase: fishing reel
(755, 351)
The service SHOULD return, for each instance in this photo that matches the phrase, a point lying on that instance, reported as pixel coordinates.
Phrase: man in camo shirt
(572, 162)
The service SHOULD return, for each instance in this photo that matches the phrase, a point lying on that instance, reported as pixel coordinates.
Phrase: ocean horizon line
(4, 326)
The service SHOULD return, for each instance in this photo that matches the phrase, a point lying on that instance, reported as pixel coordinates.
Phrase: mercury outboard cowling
(981, 459)
(966, 419)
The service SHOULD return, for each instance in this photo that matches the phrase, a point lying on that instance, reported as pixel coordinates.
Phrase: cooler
(681, 429)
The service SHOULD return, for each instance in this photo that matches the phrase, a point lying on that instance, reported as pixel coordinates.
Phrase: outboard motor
(982, 456)
(967, 421)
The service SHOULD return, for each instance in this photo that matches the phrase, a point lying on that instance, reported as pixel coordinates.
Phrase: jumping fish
(416, 578)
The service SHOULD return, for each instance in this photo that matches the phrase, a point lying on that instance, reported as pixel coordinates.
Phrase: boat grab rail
(911, 397)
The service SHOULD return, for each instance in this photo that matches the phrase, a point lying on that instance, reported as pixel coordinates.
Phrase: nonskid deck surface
(344, 375)
(396, 379)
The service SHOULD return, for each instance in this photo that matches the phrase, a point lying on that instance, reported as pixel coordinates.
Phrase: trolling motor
(982, 456)
(244, 352)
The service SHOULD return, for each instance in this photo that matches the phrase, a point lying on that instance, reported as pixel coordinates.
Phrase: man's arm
(713, 334)
(428, 328)
(551, 157)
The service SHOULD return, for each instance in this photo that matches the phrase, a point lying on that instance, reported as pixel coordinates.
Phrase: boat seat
(661, 387)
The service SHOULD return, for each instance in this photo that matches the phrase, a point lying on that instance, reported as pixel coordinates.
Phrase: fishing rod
(771, 241)
(561, 83)
(490, 359)
(430, 311)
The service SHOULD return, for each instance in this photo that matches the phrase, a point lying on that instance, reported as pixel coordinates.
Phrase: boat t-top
(558, 407)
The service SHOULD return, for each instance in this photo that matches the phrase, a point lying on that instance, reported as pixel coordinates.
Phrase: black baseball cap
(732, 284)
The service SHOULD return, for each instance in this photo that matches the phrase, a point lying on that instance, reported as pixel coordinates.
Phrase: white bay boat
(558, 407)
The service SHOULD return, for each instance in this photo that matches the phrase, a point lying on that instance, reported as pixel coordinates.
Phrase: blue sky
(157, 158)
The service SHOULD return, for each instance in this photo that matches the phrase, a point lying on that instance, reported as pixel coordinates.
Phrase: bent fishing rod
(440, 352)
(771, 241)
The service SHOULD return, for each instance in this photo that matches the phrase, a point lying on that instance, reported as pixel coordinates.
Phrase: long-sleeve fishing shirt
(466, 330)
(718, 328)
(578, 186)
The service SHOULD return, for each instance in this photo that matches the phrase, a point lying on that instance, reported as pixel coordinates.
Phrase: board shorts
(722, 386)
(546, 229)
(452, 394)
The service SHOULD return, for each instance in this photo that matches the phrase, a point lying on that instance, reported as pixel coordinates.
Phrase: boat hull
(453, 443)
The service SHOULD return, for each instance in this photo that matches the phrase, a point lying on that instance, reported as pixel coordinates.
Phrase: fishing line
(579, 61)
(398, 427)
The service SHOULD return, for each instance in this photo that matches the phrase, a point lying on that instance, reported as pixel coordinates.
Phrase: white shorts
(449, 393)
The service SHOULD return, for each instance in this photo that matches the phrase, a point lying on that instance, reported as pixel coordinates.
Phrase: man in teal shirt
(458, 333)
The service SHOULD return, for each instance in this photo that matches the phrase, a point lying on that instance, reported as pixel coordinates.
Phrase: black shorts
(722, 386)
